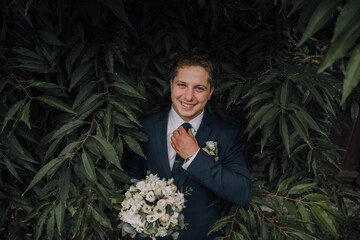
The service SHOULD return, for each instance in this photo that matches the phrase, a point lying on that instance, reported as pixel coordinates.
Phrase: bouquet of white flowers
(152, 207)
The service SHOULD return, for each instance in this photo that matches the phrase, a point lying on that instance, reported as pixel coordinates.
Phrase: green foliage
(75, 78)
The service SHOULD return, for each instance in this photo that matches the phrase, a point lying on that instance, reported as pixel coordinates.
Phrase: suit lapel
(161, 136)
(204, 130)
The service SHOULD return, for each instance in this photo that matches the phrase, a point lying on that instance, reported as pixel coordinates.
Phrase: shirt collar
(175, 120)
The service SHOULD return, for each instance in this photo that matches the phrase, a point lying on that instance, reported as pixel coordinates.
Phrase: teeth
(187, 105)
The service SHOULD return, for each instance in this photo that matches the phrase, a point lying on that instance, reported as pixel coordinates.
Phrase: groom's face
(190, 91)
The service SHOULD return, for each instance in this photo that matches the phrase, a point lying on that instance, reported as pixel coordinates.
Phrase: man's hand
(184, 142)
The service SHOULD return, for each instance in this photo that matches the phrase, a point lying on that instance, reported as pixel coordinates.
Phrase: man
(225, 176)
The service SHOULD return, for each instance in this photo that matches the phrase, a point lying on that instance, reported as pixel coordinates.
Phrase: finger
(180, 130)
(174, 147)
(190, 132)
(173, 140)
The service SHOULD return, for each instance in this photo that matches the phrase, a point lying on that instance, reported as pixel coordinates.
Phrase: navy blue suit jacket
(227, 178)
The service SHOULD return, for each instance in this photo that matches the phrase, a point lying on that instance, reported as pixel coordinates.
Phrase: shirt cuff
(188, 162)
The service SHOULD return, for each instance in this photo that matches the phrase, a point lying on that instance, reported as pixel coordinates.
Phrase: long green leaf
(300, 129)
(127, 111)
(244, 231)
(126, 89)
(284, 184)
(257, 98)
(352, 74)
(25, 114)
(67, 128)
(64, 185)
(284, 133)
(237, 236)
(42, 172)
(41, 84)
(322, 14)
(234, 94)
(60, 216)
(316, 197)
(100, 217)
(11, 168)
(346, 17)
(50, 38)
(309, 120)
(305, 215)
(76, 221)
(56, 103)
(107, 150)
(40, 223)
(341, 44)
(258, 115)
(80, 72)
(84, 92)
(89, 166)
(50, 226)
(324, 220)
(12, 112)
(107, 121)
(219, 224)
(301, 188)
(134, 145)
(285, 93)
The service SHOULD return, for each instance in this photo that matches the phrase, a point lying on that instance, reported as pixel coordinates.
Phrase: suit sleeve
(229, 177)
(134, 166)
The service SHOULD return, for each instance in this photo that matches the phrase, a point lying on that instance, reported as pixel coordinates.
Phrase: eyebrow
(199, 85)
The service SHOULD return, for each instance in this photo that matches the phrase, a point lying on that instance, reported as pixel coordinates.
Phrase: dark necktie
(179, 161)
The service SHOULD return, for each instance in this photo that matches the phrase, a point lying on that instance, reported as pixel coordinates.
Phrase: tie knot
(186, 125)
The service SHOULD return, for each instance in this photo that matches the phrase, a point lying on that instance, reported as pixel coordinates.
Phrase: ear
(211, 91)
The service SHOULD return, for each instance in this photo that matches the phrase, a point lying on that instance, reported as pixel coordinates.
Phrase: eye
(200, 89)
(181, 85)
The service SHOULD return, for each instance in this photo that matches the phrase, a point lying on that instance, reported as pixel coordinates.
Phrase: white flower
(150, 196)
(171, 201)
(159, 211)
(138, 197)
(157, 190)
(211, 144)
(140, 185)
(125, 204)
(164, 218)
(161, 204)
(145, 207)
(211, 149)
(151, 218)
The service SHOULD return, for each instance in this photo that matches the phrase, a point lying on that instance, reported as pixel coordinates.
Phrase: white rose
(211, 144)
(157, 190)
(138, 197)
(161, 204)
(150, 196)
(140, 185)
(171, 201)
(125, 204)
(164, 218)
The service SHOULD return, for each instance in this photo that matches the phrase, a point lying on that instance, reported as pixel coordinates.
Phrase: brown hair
(195, 60)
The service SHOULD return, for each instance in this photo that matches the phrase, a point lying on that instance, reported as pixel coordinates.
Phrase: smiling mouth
(187, 105)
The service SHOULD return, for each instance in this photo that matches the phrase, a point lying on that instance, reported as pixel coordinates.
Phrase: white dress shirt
(174, 122)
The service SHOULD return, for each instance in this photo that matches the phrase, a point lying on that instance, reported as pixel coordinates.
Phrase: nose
(189, 95)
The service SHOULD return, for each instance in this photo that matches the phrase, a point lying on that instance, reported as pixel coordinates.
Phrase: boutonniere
(211, 149)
